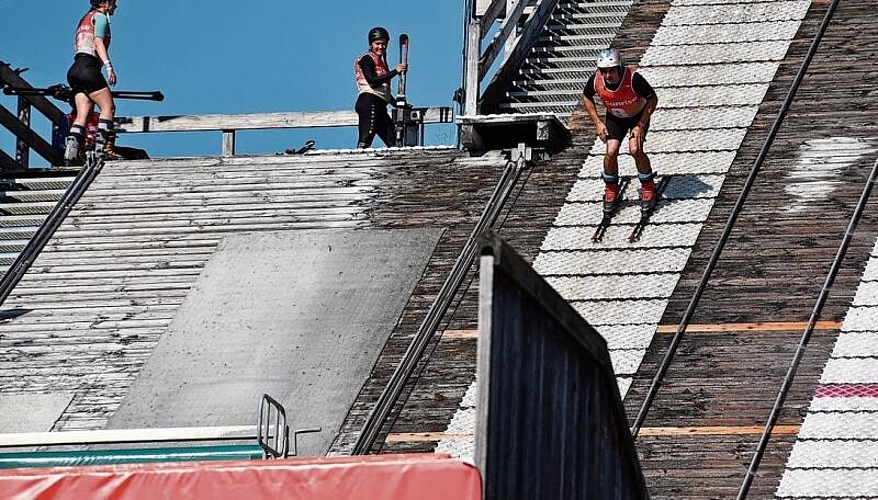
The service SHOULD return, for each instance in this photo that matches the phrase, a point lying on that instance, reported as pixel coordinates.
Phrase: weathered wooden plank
(753, 430)
(763, 326)
(255, 121)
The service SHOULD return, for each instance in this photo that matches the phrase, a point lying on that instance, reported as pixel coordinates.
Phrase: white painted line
(867, 294)
(705, 117)
(715, 54)
(840, 426)
(614, 287)
(621, 312)
(744, 94)
(680, 187)
(844, 404)
(624, 383)
(861, 319)
(678, 141)
(834, 454)
(627, 336)
(726, 33)
(611, 262)
(667, 211)
(728, 73)
(693, 162)
(856, 344)
(626, 362)
(871, 273)
(850, 371)
(832, 483)
(741, 13)
(464, 422)
(669, 235)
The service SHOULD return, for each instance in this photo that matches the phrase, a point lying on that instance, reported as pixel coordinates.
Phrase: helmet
(609, 58)
(378, 33)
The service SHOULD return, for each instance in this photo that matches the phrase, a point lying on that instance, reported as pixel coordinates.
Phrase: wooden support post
(31, 138)
(471, 79)
(228, 143)
(510, 42)
(22, 152)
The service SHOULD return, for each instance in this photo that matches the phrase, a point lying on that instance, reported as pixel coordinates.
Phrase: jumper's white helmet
(609, 58)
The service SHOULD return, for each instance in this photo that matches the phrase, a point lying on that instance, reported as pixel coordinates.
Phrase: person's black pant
(84, 76)
(374, 119)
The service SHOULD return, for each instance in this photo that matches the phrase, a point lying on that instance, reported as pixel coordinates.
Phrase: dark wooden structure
(487, 132)
(550, 420)
(20, 125)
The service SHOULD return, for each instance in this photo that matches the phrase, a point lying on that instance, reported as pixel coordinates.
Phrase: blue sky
(219, 56)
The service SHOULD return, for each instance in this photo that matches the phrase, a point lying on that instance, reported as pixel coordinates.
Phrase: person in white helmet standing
(373, 86)
(630, 101)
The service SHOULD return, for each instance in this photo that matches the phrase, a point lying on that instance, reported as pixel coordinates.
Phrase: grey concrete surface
(31, 412)
(299, 315)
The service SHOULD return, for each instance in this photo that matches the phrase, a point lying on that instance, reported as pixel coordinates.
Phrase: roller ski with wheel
(650, 195)
(612, 200)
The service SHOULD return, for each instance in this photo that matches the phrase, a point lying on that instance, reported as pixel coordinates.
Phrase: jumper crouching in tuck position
(630, 101)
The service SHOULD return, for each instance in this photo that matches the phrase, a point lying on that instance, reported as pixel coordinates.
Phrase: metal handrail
(35, 245)
(465, 260)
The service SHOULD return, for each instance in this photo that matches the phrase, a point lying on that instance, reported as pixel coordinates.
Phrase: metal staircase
(552, 76)
(24, 204)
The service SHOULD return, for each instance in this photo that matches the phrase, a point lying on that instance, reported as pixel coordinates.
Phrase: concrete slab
(32, 412)
(299, 315)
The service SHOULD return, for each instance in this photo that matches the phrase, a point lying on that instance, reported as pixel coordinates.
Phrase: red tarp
(384, 477)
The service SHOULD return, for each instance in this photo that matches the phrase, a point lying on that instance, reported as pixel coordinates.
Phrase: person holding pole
(373, 84)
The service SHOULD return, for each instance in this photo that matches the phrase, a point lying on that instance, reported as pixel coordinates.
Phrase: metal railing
(47, 229)
(465, 260)
(26, 139)
(230, 124)
(517, 35)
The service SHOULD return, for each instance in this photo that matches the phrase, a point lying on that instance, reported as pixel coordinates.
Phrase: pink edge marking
(847, 391)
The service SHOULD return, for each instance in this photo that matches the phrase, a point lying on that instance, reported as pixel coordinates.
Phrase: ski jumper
(373, 84)
(85, 76)
(624, 103)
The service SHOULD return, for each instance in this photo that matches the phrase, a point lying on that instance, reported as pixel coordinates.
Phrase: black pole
(733, 217)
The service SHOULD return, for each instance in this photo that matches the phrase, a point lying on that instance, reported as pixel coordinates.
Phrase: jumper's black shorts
(85, 74)
(618, 128)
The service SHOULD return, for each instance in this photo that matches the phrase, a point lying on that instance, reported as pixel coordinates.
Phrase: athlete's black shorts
(618, 128)
(85, 74)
